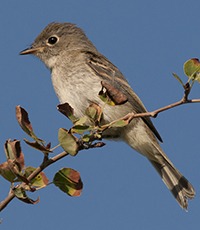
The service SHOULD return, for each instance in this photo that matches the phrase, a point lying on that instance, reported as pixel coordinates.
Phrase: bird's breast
(76, 87)
(80, 88)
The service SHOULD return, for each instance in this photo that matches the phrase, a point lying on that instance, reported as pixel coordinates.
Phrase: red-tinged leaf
(6, 172)
(25, 124)
(114, 94)
(67, 110)
(21, 195)
(48, 146)
(38, 146)
(67, 141)
(13, 152)
(10, 171)
(23, 120)
(192, 69)
(69, 181)
(39, 181)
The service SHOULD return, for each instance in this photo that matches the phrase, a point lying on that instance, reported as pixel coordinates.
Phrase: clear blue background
(147, 40)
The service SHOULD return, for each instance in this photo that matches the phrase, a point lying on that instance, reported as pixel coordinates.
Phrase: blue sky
(147, 40)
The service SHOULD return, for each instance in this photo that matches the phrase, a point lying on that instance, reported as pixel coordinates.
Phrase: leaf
(114, 94)
(13, 152)
(67, 141)
(38, 146)
(81, 121)
(69, 181)
(192, 69)
(105, 98)
(80, 129)
(86, 138)
(25, 124)
(91, 112)
(23, 119)
(94, 112)
(118, 123)
(6, 172)
(178, 79)
(21, 195)
(10, 171)
(68, 111)
(39, 181)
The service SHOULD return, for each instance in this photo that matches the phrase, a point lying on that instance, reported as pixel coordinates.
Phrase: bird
(77, 72)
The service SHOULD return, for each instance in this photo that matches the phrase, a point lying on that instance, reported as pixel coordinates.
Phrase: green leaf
(91, 112)
(6, 172)
(192, 69)
(10, 171)
(21, 195)
(67, 141)
(178, 79)
(80, 129)
(81, 121)
(86, 138)
(105, 98)
(94, 112)
(119, 123)
(69, 181)
(39, 181)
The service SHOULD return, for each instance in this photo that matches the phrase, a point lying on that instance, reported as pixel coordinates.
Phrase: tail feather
(179, 186)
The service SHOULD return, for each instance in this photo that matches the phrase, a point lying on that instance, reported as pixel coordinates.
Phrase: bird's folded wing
(111, 74)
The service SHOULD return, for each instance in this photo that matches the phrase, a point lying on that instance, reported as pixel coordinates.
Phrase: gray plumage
(77, 69)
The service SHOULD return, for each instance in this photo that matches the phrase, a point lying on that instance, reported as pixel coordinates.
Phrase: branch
(38, 170)
(128, 118)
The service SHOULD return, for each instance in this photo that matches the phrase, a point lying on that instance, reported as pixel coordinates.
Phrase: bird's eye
(52, 40)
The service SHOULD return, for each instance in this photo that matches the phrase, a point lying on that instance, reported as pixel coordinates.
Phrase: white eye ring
(52, 40)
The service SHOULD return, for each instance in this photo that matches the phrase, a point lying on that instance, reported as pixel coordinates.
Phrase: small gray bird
(77, 70)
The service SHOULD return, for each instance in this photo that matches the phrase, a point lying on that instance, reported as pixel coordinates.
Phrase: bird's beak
(31, 50)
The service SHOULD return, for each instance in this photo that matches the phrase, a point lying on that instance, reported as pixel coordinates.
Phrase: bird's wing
(111, 74)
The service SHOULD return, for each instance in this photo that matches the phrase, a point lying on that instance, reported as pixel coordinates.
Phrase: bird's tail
(179, 186)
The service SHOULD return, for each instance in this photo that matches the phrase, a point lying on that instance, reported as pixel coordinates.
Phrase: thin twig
(38, 170)
(128, 117)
